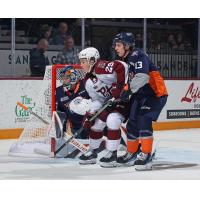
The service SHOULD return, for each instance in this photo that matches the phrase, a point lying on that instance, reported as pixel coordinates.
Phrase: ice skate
(109, 160)
(143, 162)
(127, 160)
(88, 158)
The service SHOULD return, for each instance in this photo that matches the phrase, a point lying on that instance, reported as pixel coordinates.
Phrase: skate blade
(88, 162)
(147, 167)
(125, 164)
(108, 165)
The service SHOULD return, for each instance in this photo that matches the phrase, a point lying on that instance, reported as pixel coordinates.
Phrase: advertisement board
(183, 102)
(21, 62)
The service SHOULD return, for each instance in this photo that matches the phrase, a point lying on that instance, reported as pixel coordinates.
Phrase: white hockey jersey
(99, 84)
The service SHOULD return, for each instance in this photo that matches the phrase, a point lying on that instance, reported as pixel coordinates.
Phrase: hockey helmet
(126, 38)
(91, 54)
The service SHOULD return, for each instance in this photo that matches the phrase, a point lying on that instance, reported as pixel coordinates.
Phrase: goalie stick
(67, 140)
(74, 153)
(72, 141)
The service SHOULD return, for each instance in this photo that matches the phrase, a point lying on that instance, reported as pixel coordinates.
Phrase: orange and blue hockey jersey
(139, 62)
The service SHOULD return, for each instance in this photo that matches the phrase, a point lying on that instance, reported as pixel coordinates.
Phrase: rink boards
(181, 111)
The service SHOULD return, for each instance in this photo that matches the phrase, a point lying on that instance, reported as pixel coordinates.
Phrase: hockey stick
(124, 134)
(155, 147)
(73, 141)
(67, 140)
(32, 113)
(68, 134)
(102, 145)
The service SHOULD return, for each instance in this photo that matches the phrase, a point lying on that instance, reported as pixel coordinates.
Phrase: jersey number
(138, 65)
(109, 67)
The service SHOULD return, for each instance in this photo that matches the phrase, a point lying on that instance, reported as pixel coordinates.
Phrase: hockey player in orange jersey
(149, 95)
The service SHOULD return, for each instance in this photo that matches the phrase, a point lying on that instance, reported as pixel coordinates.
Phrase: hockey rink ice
(177, 158)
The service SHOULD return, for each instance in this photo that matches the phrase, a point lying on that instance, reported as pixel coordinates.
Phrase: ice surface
(177, 157)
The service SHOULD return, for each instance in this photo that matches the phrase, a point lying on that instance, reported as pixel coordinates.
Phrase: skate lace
(89, 153)
(108, 154)
(128, 155)
(142, 156)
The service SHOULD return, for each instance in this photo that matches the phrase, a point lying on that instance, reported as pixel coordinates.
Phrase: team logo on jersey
(64, 98)
(94, 79)
(105, 91)
(135, 53)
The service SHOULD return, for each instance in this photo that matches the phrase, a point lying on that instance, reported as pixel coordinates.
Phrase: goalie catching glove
(79, 105)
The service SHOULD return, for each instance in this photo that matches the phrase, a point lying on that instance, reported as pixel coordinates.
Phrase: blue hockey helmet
(126, 38)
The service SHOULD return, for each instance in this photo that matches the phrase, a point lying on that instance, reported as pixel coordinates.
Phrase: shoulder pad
(135, 53)
(102, 64)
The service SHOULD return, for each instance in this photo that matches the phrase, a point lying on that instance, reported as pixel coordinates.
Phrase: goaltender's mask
(69, 77)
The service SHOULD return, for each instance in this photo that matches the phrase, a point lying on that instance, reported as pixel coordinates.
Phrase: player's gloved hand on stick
(86, 123)
(125, 95)
(115, 90)
(120, 95)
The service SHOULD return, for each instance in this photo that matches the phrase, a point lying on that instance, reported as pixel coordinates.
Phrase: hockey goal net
(37, 134)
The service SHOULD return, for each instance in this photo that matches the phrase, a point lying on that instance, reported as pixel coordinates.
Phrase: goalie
(72, 100)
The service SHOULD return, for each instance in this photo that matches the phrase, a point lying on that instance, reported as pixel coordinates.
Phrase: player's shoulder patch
(101, 64)
(140, 53)
(90, 82)
(135, 53)
(94, 79)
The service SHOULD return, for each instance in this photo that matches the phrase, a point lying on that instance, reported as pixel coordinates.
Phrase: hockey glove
(86, 123)
(125, 96)
(116, 90)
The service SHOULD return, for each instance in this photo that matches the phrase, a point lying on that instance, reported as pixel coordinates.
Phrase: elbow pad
(138, 81)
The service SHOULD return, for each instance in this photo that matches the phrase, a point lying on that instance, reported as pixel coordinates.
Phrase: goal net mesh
(37, 134)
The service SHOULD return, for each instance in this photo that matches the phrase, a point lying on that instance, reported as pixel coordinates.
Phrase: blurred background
(172, 44)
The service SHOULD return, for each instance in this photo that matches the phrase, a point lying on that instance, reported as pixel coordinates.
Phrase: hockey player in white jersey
(104, 80)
